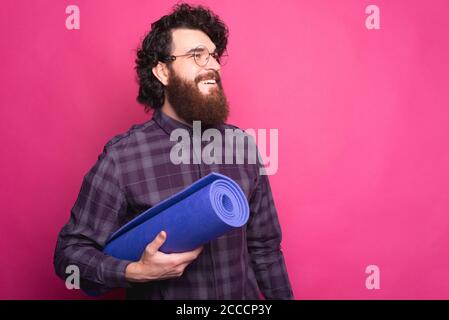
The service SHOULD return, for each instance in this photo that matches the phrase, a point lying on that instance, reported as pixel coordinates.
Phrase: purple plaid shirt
(134, 172)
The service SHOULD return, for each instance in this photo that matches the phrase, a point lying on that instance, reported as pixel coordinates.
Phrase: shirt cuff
(115, 273)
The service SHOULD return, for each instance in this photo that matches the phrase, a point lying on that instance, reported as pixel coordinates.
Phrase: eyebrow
(190, 51)
(193, 49)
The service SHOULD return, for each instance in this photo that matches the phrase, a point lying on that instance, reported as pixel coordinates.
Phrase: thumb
(154, 245)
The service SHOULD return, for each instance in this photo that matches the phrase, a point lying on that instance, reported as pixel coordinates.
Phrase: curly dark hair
(156, 46)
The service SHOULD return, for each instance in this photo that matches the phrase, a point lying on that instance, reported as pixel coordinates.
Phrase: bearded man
(178, 69)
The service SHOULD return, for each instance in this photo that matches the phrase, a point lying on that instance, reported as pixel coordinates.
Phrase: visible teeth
(208, 82)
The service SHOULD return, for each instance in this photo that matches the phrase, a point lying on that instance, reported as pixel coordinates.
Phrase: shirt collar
(168, 124)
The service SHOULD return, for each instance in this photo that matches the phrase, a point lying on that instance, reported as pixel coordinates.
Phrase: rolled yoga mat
(207, 209)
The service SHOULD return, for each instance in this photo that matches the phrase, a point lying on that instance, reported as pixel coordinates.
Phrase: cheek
(188, 72)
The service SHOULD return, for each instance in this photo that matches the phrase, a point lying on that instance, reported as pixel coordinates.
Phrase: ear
(160, 71)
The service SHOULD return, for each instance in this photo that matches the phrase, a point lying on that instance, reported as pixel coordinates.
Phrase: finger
(179, 269)
(196, 252)
(154, 245)
(183, 257)
(199, 249)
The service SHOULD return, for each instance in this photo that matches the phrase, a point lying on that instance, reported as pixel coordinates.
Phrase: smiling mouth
(209, 82)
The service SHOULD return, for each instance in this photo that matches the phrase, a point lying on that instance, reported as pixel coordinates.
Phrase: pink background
(363, 132)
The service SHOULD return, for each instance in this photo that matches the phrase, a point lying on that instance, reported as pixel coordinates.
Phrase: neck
(169, 111)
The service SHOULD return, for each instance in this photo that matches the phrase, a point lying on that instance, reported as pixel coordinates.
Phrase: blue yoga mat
(207, 209)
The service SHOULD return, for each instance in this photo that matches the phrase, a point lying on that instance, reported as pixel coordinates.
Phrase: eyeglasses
(201, 56)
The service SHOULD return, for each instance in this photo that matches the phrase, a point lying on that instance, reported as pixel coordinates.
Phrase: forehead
(185, 39)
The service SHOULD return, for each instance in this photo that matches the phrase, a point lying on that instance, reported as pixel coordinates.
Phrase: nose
(212, 64)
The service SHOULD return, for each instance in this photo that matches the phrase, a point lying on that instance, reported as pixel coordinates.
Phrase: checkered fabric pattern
(133, 173)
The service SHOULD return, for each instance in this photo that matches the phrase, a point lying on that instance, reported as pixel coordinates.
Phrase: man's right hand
(156, 265)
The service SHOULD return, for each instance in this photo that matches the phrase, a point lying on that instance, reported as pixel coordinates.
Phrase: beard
(190, 104)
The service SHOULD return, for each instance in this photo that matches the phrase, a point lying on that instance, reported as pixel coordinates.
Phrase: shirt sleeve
(94, 217)
(264, 243)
